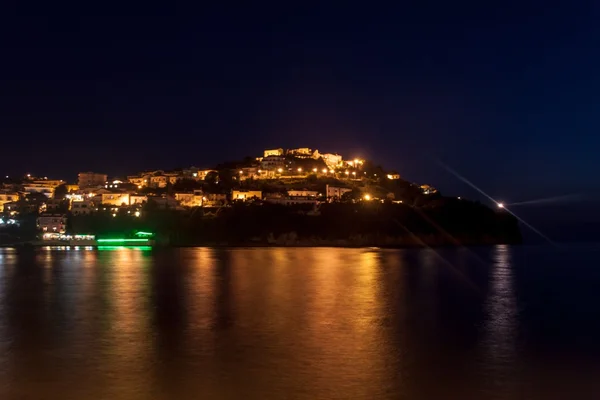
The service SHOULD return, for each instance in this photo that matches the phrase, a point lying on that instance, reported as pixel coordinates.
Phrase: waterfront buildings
(52, 223)
(295, 175)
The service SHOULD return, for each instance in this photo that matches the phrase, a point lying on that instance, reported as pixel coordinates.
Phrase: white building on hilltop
(273, 152)
(300, 152)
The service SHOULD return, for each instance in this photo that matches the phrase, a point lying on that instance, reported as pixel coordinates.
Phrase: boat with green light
(137, 239)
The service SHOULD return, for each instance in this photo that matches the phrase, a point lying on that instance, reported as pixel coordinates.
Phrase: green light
(143, 248)
(144, 234)
(121, 240)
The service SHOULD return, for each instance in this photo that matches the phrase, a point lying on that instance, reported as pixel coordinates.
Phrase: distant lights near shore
(500, 205)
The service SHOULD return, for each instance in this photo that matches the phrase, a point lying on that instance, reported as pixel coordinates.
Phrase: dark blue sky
(505, 93)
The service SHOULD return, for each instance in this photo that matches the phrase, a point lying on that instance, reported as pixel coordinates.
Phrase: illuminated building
(334, 192)
(303, 193)
(161, 181)
(300, 152)
(81, 207)
(8, 197)
(137, 199)
(246, 195)
(52, 223)
(139, 181)
(271, 163)
(248, 173)
(190, 199)
(214, 199)
(393, 176)
(115, 199)
(273, 152)
(91, 179)
(47, 190)
(195, 173)
(53, 204)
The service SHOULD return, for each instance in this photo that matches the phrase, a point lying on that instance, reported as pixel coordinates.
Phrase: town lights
(299, 169)
(315, 170)
(137, 213)
(347, 173)
(354, 173)
(356, 161)
(280, 170)
(367, 197)
(241, 172)
(324, 170)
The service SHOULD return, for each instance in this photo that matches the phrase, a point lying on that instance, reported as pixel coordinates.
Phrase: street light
(315, 170)
(299, 169)
(354, 173)
(367, 197)
(500, 205)
(347, 173)
(324, 170)
(280, 170)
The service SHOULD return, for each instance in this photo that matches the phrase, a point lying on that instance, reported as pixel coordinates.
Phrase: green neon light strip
(144, 233)
(124, 248)
(121, 240)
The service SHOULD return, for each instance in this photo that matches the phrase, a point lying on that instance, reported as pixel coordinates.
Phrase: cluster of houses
(96, 192)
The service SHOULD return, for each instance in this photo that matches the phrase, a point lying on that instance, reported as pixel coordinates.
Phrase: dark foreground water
(285, 323)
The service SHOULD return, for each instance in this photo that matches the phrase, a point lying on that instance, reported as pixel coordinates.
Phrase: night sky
(506, 93)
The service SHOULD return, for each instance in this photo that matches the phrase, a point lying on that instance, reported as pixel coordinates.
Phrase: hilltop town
(190, 205)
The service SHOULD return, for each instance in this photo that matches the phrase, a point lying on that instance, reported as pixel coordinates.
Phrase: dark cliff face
(370, 223)
(360, 224)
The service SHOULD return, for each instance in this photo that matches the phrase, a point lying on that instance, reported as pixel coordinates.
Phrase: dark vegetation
(362, 224)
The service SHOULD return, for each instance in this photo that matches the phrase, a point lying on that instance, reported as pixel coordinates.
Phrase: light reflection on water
(294, 323)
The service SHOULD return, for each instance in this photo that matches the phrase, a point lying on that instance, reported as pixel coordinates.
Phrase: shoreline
(266, 245)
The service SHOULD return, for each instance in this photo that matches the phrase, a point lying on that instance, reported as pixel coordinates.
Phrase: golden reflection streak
(201, 292)
(130, 347)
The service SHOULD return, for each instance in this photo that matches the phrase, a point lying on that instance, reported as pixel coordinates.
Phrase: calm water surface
(326, 323)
